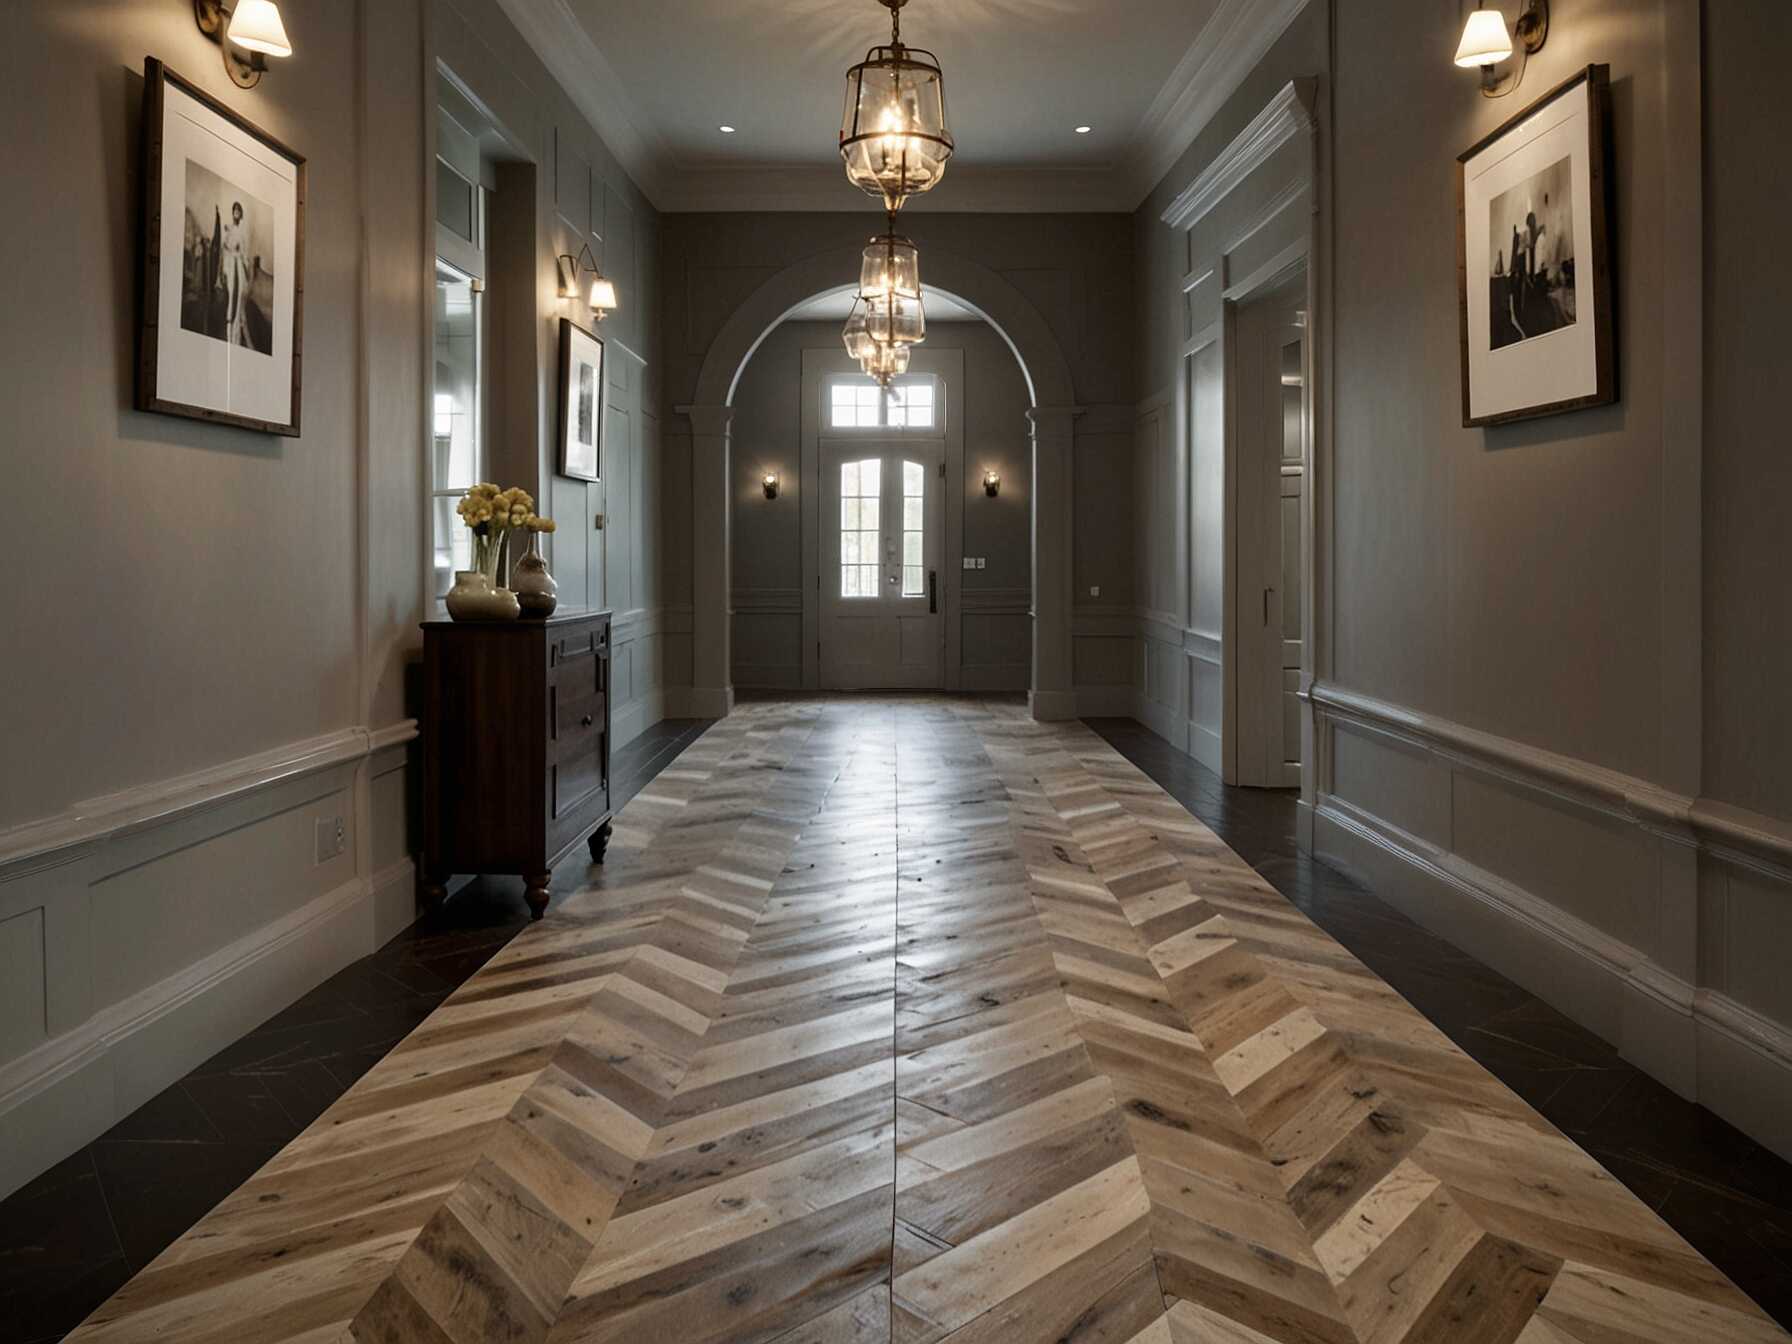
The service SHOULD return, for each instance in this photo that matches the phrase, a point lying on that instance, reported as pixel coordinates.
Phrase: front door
(883, 516)
(1273, 406)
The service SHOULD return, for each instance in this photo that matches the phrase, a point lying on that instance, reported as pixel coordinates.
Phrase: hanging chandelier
(893, 134)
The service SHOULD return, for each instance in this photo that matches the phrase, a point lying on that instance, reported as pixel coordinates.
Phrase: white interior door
(1273, 425)
(883, 515)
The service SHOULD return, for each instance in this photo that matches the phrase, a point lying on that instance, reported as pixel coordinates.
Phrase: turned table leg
(537, 893)
(599, 842)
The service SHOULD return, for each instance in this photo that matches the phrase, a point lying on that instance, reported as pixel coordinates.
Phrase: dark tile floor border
(71, 1237)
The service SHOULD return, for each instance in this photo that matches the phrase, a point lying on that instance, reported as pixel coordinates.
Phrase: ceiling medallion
(895, 142)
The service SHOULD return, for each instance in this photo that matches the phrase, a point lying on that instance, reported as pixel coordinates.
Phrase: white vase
(473, 598)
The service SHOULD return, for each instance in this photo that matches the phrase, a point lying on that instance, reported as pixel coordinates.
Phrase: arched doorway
(1051, 422)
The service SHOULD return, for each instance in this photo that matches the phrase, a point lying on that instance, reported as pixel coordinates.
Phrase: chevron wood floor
(914, 1020)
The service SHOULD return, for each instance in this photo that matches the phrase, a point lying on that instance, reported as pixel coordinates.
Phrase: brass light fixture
(894, 137)
(1486, 43)
(247, 33)
(602, 295)
(992, 483)
(769, 483)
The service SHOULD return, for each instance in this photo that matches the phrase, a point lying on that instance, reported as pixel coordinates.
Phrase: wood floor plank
(915, 1019)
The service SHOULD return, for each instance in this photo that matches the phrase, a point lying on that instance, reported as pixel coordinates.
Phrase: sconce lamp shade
(893, 135)
(891, 266)
(769, 484)
(1485, 40)
(603, 295)
(992, 484)
(255, 26)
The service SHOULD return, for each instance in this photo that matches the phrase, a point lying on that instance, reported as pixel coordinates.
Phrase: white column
(712, 681)
(1053, 695)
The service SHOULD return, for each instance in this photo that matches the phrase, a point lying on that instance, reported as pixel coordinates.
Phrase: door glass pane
(861, 484)
(914, 508)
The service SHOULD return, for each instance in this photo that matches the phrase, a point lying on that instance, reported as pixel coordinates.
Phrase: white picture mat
(584, 459)
(195, 370)
(1558, 365)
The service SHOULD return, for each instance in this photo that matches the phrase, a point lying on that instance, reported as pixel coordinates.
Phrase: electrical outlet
(1095, 590)
(597, 521)
(332, 838)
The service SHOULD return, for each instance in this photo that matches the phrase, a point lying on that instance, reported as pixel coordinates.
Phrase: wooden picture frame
(221, 329)
(582, 402)
(1533, 249)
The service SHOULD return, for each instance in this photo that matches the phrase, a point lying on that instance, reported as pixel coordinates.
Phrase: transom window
(855, 402)
(861, 492)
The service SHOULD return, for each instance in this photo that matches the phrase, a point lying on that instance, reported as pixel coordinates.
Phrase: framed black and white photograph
(581, 402)
(223, 254)
(1534, 249)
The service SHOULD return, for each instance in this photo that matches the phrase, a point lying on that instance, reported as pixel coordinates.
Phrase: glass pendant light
(857, 335)
(894, 320)
(888, 361)
(892, 265)
(893, 133)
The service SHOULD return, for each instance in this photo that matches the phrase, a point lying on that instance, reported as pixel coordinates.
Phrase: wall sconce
(769, 482)
(252, 25)
(992, 484)
(1485, 43)
(603, 291)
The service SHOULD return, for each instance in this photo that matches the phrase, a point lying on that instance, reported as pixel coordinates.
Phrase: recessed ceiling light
(726, 130)
(1084, 130)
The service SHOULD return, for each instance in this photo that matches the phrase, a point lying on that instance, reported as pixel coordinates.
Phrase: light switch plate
(1095, 590)
(982, 562)
(598, 522)
(969, 563)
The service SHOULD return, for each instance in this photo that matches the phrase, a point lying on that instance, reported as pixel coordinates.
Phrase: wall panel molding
(1285, 116)
(1641, 865)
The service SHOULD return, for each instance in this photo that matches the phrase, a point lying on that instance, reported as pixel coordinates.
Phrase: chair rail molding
(1669, 892)
(34, 843)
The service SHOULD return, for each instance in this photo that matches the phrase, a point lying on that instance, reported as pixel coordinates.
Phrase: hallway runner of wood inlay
(915, 1020)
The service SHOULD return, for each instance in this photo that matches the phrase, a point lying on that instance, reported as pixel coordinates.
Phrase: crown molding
(823, 187)
(579, 66)
(1287, 115)
(1210, 72)
(1239, 34)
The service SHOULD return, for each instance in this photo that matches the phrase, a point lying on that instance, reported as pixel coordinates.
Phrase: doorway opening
(1270, 484)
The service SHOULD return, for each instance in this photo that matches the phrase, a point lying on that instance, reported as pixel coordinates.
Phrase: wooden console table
(516, 747)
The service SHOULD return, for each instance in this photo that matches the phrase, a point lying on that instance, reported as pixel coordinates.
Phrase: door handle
(933, 592)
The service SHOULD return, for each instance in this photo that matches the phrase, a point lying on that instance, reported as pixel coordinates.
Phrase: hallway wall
(1546, 707)
(1525, 736)
(1075, 269)
(208, 654)
(990, 400)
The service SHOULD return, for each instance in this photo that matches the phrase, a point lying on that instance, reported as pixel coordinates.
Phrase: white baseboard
(71, 1089)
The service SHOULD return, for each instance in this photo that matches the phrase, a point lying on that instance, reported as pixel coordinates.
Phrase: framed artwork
(1534, 250)
(581, 402)
(223, 261)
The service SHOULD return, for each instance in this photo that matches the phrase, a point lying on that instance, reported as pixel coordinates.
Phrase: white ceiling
(658, 79)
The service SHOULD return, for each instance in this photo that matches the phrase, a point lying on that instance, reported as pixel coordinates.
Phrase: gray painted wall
(991, 398)
(214, 654)
(1748, 469)
(1547, 721)
(1075, 269)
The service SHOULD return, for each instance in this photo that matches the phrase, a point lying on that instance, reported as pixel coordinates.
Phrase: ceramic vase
(474, 598)
(536, 591)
